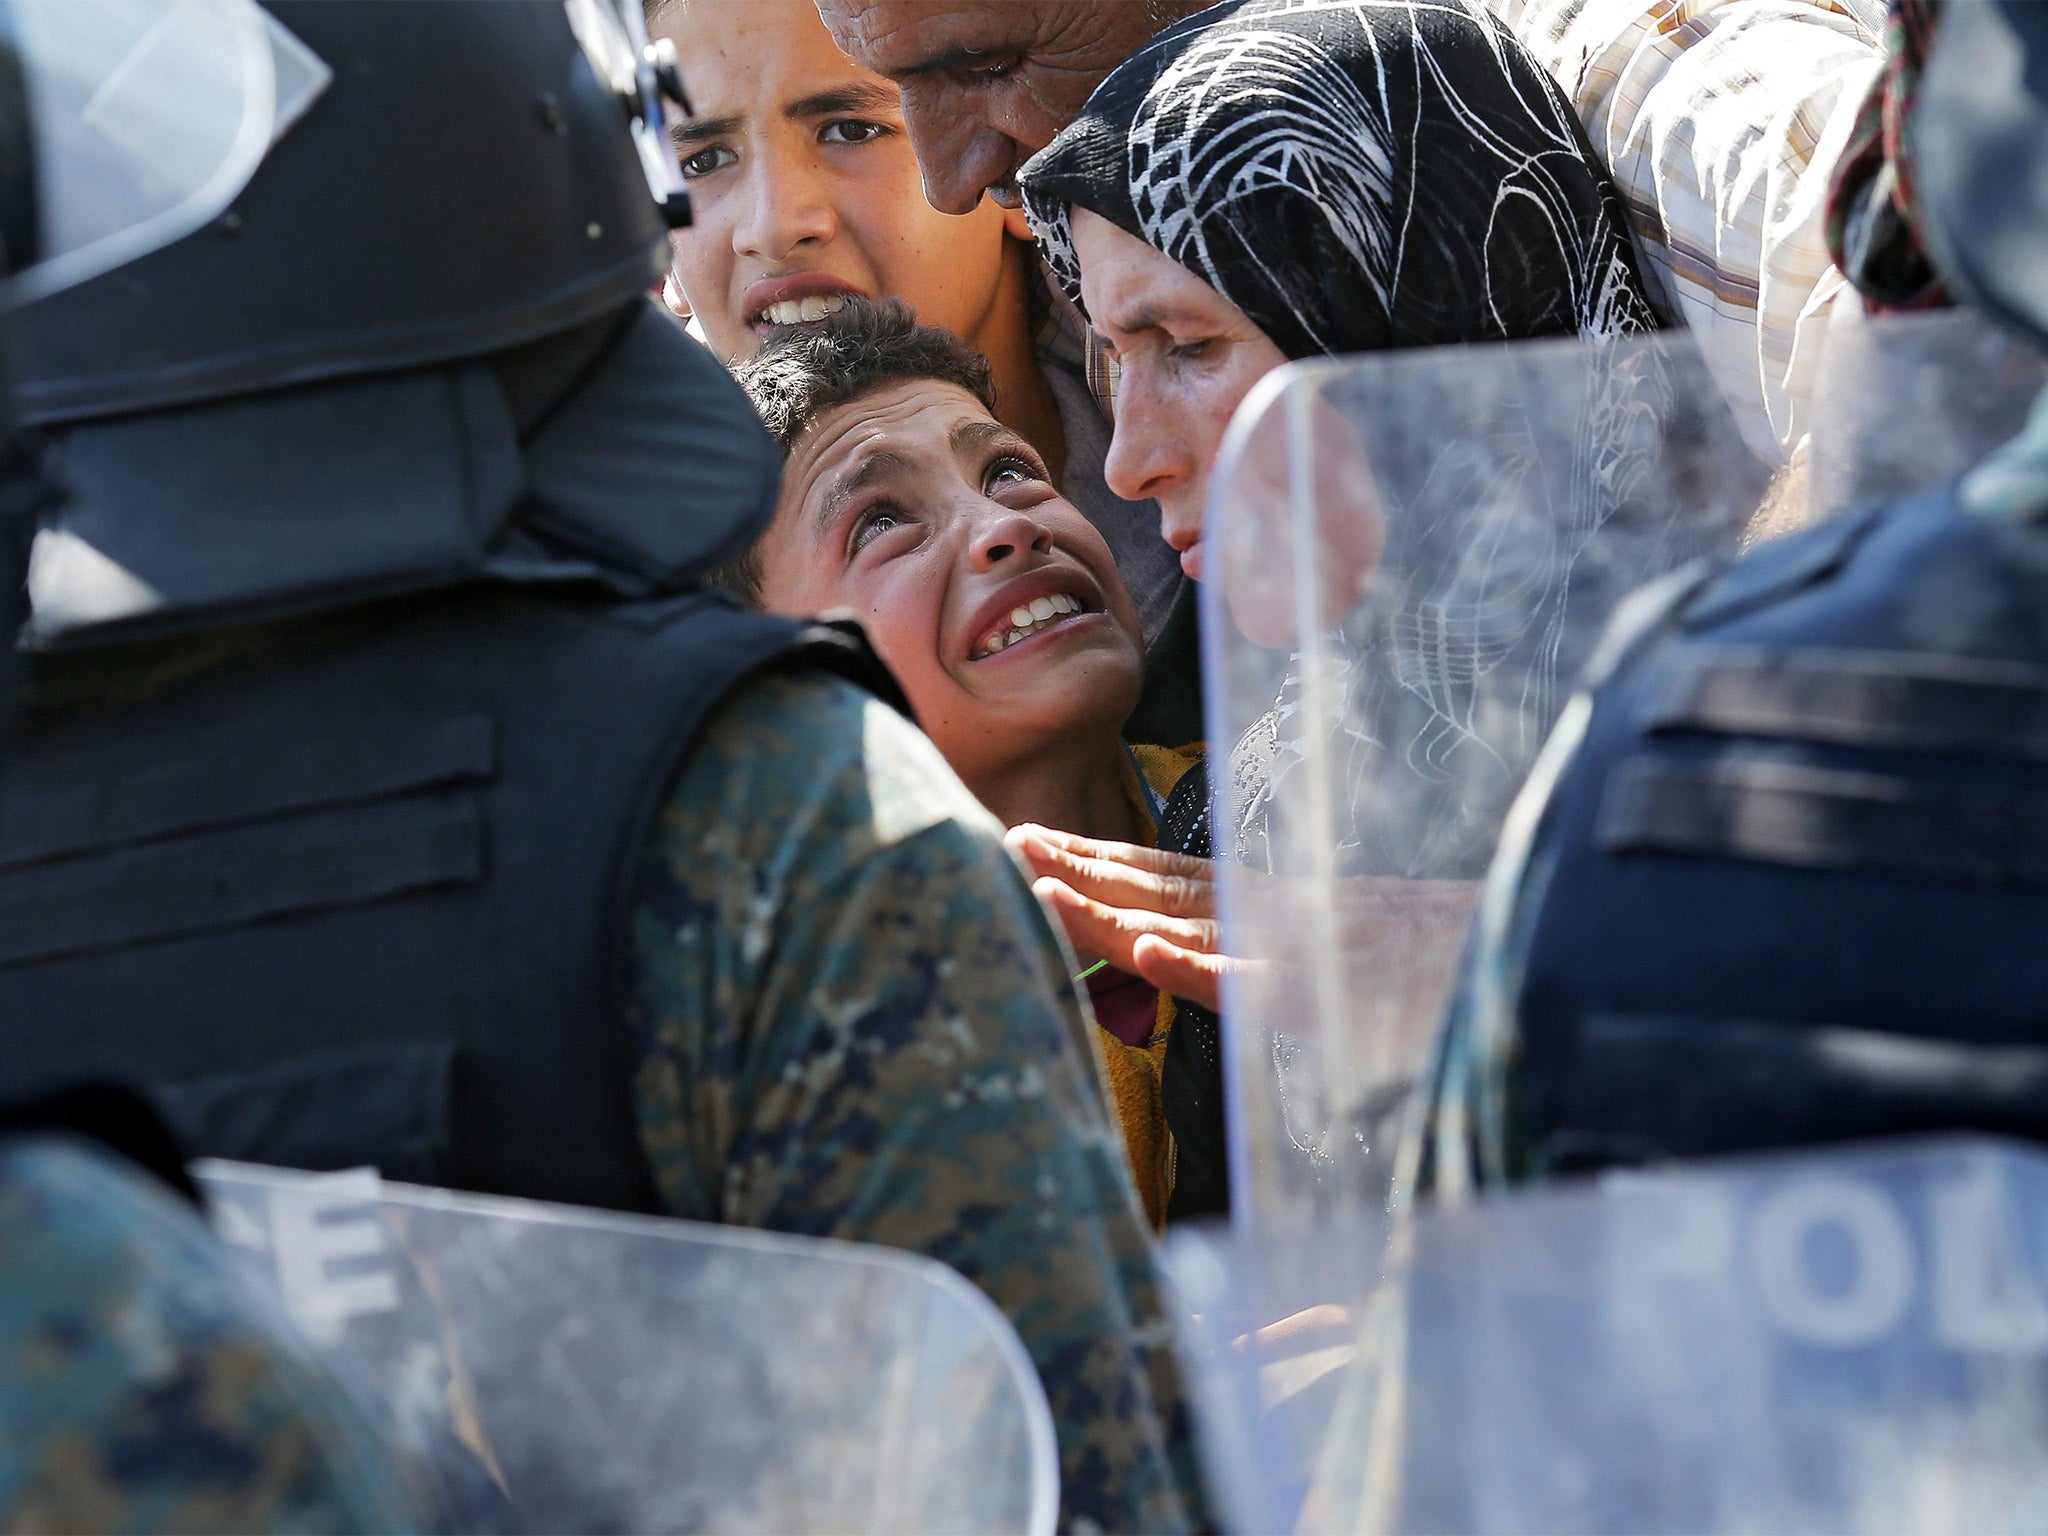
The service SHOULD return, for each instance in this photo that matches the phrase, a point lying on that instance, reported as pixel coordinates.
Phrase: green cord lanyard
(1084, 975)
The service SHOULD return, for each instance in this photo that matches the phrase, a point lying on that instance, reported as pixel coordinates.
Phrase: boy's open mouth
(801, 311)
(794, 298)
(1028, 619)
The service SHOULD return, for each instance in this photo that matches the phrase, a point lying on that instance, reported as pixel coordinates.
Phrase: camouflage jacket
(144, 1386)
(855, 1022)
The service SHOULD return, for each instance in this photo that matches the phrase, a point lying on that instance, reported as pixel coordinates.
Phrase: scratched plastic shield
(1844, 1341)
(545, 1368)
(1409, 559)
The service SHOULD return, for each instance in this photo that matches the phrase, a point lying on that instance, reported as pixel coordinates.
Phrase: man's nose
(789, 206)
(1007, 535)
(959, 153)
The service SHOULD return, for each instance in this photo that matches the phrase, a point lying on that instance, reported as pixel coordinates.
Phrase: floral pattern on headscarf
(1354, 175)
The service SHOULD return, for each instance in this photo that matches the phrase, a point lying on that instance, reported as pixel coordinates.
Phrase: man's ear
(1018, 224)
(672, 297)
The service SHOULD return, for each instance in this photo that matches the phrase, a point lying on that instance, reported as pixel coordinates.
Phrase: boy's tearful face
(994, 602)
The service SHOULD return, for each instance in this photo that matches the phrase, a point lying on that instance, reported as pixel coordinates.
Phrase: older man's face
(988, 83)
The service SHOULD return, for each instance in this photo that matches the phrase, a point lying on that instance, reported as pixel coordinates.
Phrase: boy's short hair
(864, 347)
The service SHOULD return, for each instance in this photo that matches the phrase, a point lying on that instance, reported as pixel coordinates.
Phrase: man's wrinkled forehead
(902, 38)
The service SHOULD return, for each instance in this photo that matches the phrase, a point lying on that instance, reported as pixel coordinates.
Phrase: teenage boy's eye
(713, 157)
(1008, 472)
(873, 525)
(852, 131)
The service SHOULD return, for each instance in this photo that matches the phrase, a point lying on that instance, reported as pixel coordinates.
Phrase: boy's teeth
(799, 311)
(1028, 617)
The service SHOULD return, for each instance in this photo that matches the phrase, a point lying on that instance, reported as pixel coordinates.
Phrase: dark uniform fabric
(1791, 886)
(1191, 1076)
(353, 890)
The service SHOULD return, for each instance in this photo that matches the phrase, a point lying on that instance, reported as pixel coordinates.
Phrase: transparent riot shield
(1909, 401)
(1852, 1340)
(1409, 558)
(546, 1368)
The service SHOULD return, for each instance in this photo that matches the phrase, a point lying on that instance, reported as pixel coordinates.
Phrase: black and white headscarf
(1353, 174)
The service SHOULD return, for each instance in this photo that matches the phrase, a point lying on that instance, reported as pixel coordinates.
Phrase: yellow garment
(1164, 768)
(1134, 1089)
(1134, 1071)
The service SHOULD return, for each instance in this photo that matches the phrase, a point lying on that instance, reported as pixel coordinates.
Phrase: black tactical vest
(354, 890)
(1792, 886)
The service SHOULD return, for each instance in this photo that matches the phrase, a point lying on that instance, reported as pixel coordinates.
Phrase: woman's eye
(1190, 351)
(853, 131)
(1008, 472)
(872, 526)
(714, 157)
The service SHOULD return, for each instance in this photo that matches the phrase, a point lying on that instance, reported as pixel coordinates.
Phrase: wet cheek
(904, 637)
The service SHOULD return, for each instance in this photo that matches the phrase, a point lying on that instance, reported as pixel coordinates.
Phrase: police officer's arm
(856, 1023)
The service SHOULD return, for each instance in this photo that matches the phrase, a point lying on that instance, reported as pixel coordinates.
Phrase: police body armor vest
(354, 890)
(1792, 886)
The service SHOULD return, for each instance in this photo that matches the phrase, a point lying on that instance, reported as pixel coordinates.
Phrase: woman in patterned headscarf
(1342, 176)
(1283, 179)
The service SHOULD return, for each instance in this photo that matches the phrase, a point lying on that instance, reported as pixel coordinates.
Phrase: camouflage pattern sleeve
(857, 1023)
(144, 1386)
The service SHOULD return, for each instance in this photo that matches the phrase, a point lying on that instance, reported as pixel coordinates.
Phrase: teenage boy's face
(804, 185)
(994, 602)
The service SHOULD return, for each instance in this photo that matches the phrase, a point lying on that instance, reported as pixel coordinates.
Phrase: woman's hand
(1147, 912)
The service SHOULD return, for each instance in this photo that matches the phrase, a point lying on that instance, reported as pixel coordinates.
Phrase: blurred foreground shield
(1850, 1341)
(1413, 560)
(545, 1368)
(1411, 557)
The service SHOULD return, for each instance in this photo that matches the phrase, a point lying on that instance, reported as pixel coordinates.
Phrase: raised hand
(1147, 912)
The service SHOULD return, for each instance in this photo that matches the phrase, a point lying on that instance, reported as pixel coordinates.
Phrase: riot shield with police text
(1410, 558)
(1851, 1340)
(549, 1368)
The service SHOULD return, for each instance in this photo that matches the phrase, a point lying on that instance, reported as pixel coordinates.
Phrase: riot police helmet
(437, 258)
(438, 180)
